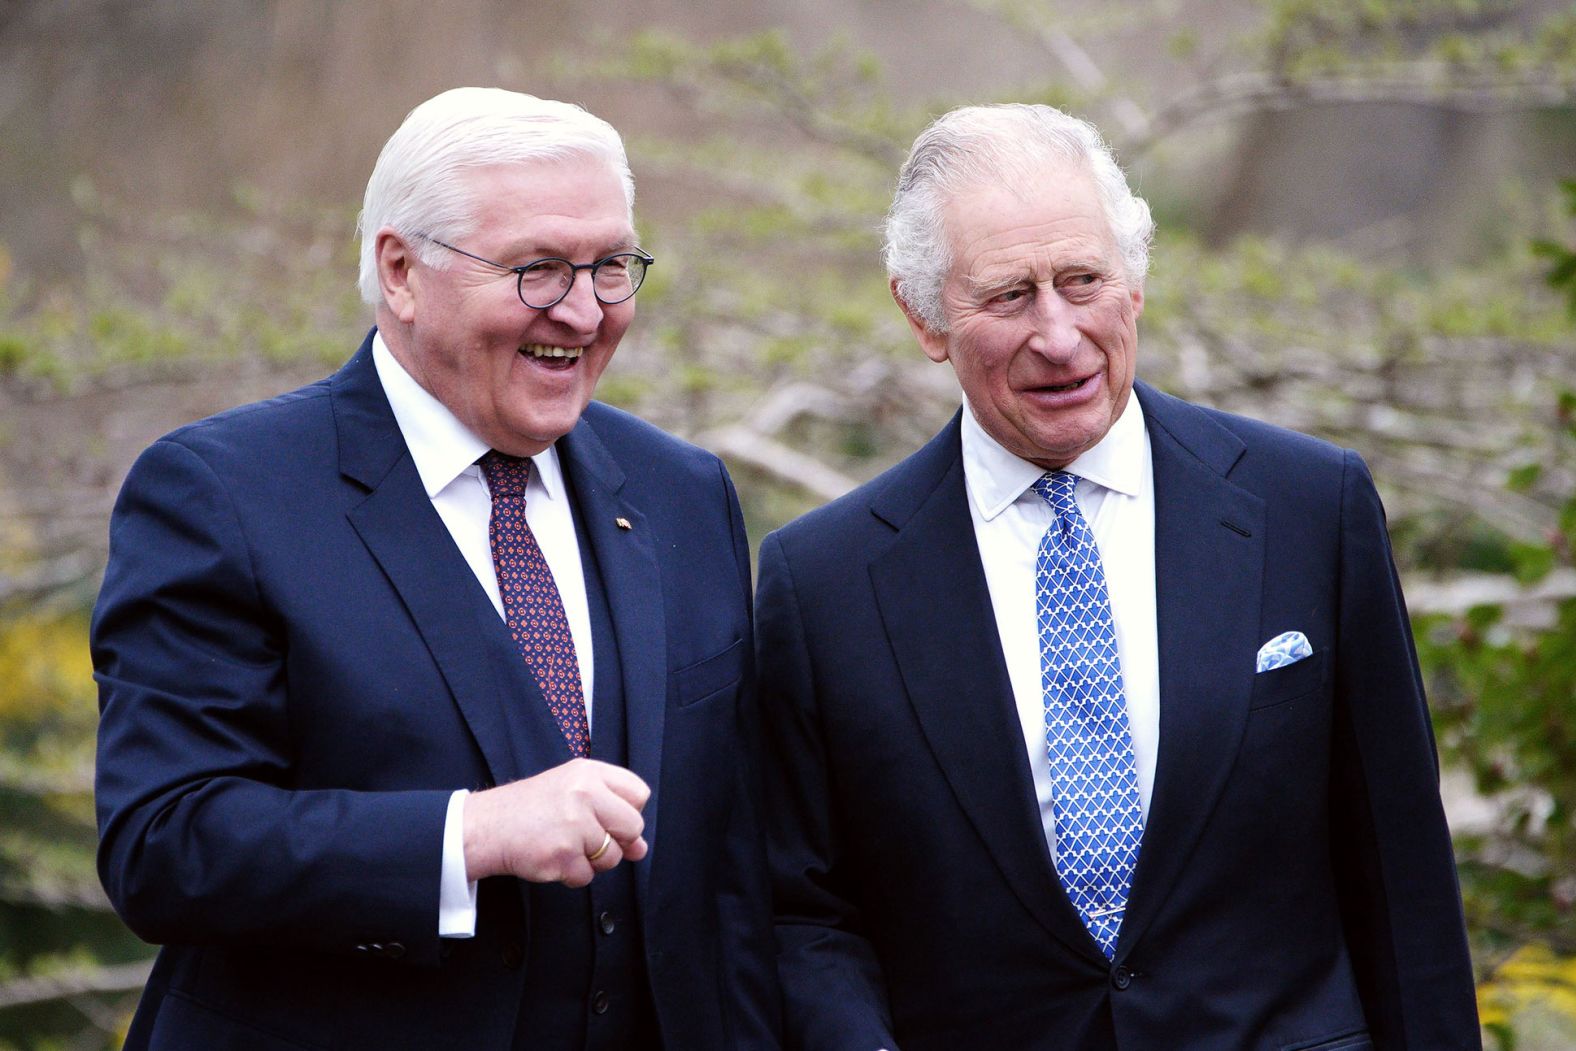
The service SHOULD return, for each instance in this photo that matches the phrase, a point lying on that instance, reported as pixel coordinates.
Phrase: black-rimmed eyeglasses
(543, 283)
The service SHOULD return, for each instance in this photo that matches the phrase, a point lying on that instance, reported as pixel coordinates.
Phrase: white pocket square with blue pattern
(1286, 648)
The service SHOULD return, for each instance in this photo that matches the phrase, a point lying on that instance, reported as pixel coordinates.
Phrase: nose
(1056, 333)
(579, 309)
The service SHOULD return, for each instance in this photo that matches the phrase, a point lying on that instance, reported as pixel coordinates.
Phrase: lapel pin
(622, 523)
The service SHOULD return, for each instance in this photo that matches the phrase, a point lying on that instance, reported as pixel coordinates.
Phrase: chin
(542, 433)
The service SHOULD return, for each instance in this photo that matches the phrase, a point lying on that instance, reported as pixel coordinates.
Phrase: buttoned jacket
(1295, 886)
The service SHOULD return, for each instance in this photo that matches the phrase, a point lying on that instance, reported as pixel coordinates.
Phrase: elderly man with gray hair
(427, 690)
(1095, 723)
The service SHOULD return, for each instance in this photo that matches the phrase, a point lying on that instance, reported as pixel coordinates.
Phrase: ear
(1138, 301)
(934, 344)
(396, 262)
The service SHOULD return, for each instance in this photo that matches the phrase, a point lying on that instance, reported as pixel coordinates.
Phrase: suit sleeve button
(394, 950)
(1121, 976)
(599, 1002)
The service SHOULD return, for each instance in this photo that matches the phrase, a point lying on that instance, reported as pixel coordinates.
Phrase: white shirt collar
(442, 447)
(996, 478)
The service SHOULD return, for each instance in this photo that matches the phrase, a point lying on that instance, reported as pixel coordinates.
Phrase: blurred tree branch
(121, 978)
(1424, 84)
(768, 334)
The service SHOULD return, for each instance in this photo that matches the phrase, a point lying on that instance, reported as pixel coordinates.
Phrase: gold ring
(607, 841)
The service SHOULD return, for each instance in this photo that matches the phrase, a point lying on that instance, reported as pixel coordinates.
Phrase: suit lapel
(633, 580)
(492, 687)
(413, 547)
(1202, 562)
(931, 590)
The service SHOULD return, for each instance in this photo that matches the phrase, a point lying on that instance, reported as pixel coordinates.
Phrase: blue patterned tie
(1095, 783)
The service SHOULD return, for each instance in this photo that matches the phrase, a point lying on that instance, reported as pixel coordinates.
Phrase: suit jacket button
(606, 923)
(1121, 976)
(513, 955)
(599, 1002)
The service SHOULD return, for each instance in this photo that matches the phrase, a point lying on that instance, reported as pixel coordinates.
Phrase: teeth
(542, 350)
(1067, 386)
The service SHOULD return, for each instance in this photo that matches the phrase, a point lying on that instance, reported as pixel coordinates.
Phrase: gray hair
(417, 186)
(978, 144)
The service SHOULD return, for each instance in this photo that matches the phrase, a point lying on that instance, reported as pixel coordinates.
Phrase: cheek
(613, 329)
(618, 319)
(976, 371)
(1117, 324)
(987, 348)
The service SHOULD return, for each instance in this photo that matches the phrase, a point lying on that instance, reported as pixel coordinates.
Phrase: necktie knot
(506, 475)
(1056, 489)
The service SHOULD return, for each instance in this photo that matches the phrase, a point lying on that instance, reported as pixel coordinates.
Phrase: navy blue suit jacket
(297, 667)
(1295, 886)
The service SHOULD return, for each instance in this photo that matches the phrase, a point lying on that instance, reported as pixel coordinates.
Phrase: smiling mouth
(1062, 388)
(542, 350)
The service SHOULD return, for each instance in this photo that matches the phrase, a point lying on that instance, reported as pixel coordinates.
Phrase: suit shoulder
(623, 432)
(1211, 432)
(841, 513)
(1288, 465)
(853, 521)
(270, 420)
(1272, 439)
(1303, 477)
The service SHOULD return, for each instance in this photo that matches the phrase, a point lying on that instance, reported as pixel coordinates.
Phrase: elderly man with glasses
(427, 689)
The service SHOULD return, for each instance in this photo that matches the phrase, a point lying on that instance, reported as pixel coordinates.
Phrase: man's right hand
(545, 828)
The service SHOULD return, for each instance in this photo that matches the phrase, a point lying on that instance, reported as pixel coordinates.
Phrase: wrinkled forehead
(584, 168)
(581, 195)
(1028, 221)
(1033, 185)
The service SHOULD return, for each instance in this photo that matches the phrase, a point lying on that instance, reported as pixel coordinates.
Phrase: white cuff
(456, 894)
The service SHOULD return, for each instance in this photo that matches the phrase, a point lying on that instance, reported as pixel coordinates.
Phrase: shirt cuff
(456, 894)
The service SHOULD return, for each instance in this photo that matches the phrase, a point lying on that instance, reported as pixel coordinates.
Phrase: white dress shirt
(445, 453)
(1116, 494)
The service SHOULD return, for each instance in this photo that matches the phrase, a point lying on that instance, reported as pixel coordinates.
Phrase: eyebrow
(978, 287)
(1085, 265)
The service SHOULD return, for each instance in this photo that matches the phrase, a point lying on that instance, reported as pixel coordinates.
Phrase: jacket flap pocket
(1356, 1040)
(184, 1022)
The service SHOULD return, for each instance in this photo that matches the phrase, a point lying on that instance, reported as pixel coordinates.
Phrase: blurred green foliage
(1503, 689)
(168, 295)
(54, 921)
(769, 280)
(1562, 260)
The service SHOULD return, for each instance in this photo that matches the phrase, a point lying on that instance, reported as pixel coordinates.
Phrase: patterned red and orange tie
(531, 603)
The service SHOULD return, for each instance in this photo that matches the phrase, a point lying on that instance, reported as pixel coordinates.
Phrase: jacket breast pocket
(707, 678)
(1288, 683)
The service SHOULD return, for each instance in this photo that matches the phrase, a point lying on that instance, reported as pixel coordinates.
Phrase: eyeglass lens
(614, 279)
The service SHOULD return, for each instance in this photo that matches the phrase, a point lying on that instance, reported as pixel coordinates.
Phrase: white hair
(418, 186)
(1010, 143)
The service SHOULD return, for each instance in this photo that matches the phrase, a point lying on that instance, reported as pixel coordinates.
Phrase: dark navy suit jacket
(1295, 887)
(297, 667)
